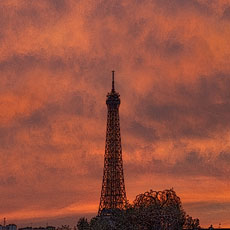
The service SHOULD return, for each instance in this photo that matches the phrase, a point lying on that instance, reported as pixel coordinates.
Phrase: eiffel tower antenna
(113, 87)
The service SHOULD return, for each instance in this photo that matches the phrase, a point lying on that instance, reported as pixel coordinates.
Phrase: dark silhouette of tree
(191, 223)
(152, 210)
(159, 210)
(83, 224)
(64, 227)
(101, 223)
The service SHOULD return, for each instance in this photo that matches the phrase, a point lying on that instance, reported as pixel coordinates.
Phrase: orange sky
(172, 62)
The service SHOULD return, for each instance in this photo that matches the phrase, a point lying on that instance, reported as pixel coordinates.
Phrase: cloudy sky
(172, 62)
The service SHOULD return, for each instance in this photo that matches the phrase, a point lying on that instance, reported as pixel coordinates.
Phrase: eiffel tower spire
(113, 195)
(113, 87)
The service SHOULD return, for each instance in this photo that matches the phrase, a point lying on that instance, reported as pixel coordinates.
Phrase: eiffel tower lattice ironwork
(113, 195)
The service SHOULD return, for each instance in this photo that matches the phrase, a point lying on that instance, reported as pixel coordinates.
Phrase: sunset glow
(172, 62)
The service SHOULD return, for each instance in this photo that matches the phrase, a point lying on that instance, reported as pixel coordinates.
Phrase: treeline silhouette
(152, 210)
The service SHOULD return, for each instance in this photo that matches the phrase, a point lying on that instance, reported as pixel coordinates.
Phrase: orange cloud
(172, 71)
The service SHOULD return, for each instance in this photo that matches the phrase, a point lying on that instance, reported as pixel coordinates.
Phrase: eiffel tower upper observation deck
(113, 195)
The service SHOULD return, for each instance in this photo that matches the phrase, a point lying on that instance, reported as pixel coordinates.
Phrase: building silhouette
(113, 195)
(8, 227)
(38, 228)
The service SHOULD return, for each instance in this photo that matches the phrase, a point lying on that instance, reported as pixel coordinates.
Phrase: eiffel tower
(113, 195)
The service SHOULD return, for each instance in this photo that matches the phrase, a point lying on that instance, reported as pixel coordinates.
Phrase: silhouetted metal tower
(113, 195)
